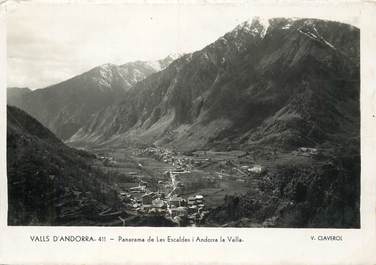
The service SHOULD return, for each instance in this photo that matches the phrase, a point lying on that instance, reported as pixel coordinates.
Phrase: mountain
(279, 82)
(52, 184)
(15, 94)
(64, 107)
(271, 88)
(283, 91)
(48, 182)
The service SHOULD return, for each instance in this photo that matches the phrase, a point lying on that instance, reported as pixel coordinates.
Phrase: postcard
(188, 132)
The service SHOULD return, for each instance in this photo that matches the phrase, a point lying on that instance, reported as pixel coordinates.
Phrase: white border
(262, 246)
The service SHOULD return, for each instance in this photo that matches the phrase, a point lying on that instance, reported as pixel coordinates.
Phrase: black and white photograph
(153, 116)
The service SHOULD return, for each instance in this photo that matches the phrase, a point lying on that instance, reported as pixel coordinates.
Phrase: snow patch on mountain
(174, 56)
(311, 32)
(156, 65)
(256, 26)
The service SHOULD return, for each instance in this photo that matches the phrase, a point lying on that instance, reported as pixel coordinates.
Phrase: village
(165, 202)
(170, 195)
(163, 199)
(167, 199)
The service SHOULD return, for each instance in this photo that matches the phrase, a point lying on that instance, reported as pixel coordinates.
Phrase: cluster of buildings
(158, 153)
(190, 211)
(252, 169)
(165, 202)
(169, 157)
(184, 212)
(106, 159)
(307, 151)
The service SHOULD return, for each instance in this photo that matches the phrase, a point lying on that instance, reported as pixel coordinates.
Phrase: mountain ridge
(222, 94)
(45, 176)
(278, 95)
(65, 106)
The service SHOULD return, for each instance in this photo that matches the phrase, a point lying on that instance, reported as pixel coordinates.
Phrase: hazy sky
(48, 43)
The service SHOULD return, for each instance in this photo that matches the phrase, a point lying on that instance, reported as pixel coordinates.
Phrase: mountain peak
(256, 26)
(174, 56)
(106, 66)
(164, 63)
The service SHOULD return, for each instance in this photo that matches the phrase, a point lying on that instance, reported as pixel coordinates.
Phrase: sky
(49, 43)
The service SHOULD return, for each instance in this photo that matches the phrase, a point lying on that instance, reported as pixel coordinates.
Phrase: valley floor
(184, 188)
